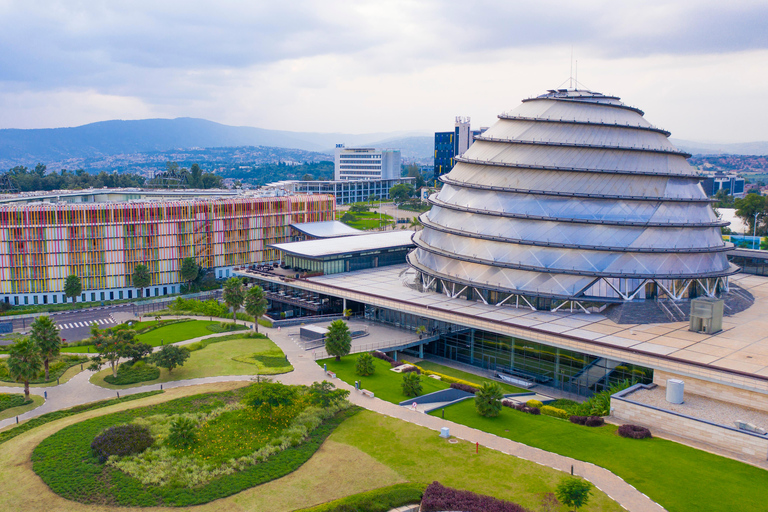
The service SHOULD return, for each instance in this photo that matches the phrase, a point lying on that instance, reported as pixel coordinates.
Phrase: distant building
(366, 163)
(731, 183)
(345, 191)
(449, 145)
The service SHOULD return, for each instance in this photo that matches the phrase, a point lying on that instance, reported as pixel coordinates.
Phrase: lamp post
(754, 231)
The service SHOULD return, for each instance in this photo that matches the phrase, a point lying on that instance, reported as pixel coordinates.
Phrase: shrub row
(464, 387)
(588, 421)
(521, 407)
(226, 327)
(384, 357)
(534, 403)
(438, 498)
(8, 401)
(554, 411)
(131, 374)
(199, 345)
(378, 500)
(57, 415)
(634, 432)
(410, 369)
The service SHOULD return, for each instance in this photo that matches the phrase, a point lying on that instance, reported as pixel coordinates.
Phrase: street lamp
(754, 232)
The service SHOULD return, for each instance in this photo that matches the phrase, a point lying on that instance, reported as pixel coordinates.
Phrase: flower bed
(438, 498)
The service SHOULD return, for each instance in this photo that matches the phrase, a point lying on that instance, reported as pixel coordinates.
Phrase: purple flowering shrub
(121, 440)
(438, 498)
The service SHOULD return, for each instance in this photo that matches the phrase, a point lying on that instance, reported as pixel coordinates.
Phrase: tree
(338, 341)
(488, 400)
(72, 287)
(324, 394)
(573, 492)
(746, 209)
(195, 176)
(364, 365)
(45, 335)
(141, 278)
(255, 304)
(137, 351)
(411, 384)
(170, 356)
(233, 295)
(111, 345)
(189, 270)
(307, 177)
(270, 394)
(401, 192)
(24, 362)
(348, 217)
(359, 208)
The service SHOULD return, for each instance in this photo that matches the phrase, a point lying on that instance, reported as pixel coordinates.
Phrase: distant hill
(28, 147)
(702, 148)
(416, 147)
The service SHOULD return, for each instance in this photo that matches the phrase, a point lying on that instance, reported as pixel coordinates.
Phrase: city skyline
(366, 67)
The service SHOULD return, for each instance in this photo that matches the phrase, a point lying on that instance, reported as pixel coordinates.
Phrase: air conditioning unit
(706, 315)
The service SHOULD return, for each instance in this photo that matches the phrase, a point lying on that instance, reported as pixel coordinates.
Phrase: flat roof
(326, 229)
(347, 244)
(736, 356)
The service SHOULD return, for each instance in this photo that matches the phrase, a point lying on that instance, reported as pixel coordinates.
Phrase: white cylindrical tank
(675, 391)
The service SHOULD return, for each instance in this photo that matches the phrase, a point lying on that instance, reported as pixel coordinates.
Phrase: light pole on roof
(754, 232)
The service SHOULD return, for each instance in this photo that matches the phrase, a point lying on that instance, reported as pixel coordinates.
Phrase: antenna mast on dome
(571, 76)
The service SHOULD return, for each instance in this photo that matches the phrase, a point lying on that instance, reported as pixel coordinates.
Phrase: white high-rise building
(366, 163)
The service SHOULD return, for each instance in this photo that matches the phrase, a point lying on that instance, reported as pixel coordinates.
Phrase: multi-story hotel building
(102, 242)
(366, 163)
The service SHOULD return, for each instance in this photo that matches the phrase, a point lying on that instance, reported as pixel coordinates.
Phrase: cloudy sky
(697, 68)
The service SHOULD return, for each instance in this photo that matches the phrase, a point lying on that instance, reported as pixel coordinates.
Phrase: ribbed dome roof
(570, 187)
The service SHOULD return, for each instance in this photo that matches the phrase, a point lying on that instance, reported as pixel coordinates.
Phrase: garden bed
(182, 476)
(56, 368)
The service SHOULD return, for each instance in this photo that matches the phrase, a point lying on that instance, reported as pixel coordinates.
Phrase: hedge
(554, 411)
(131, 374)
(438, 498)
(634, 432)
(378, 500)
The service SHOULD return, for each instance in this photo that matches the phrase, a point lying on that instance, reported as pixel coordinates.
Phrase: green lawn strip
(215, 359)
(384, 383)
(469, 377)
(378, 500)
(67, 465)
(678, 477)
(421, 456)
(12, 400)
(168, 334)
(35, 402)
(57, 368)
(6, 435)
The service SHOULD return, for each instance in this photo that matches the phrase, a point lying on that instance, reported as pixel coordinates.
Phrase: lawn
(369, 220)
(470, 377)
(62, 367)
(173, 333)
(217, 359)
(680, 478)
(10, 412)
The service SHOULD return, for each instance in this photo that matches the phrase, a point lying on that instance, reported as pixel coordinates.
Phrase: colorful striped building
(43, 243)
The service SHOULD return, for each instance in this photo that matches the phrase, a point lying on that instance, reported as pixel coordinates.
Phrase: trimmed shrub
(534, 403)
(410, 369)
(518, 406)
(384, 357)
(488, 400)
(437, 498)
(554, 411)
(594, 421)
(634, 432)
(411, 384)
(364, 365)
(579, 420)
(463, 387)
(131, 374)
(531, 410)
(183, 433)
(121, 440)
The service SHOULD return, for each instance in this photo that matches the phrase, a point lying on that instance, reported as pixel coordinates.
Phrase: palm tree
(24, 363)
(45, 335)
(488, 400)
(233, 295)
(255, 304)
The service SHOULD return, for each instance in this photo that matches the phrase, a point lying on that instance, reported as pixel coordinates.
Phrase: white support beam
(481, 295)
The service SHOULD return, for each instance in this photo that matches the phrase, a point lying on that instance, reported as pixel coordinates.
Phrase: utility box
(706, 315)
(675, 388)
(445, 432)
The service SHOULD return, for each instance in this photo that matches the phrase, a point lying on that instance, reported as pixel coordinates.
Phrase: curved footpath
(78, 390)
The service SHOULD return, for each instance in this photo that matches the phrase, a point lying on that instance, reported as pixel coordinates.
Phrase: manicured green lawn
(385, 384)
(680, 478)
(37, 401)
(214, 360)
(469, 377)
(420, 455)
(173, 333)
(369, 220)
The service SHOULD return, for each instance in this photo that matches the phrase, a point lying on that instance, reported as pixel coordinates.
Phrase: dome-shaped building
(572, 197)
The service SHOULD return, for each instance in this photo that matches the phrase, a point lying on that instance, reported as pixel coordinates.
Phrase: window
(16, 300)
(82, 297)
(157, 292)
(165, 290)
(34, 299)
(111, 295)
(130, 294)
(120, 294)
(101, 295)
(93, 297)
(26, 300)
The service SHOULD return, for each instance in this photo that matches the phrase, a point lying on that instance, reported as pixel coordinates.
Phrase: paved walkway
(79, 390)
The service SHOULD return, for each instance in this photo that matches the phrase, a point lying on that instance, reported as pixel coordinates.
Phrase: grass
(63, 367)
(470, 377)
(369, 220)
(217, 358)
(168, 334)
(36, 401)
(680, 478)
(379, 500)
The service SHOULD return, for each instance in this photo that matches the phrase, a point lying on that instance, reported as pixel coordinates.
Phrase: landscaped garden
(366, 220)
(191, 450)
(234, 354)
(59, 367)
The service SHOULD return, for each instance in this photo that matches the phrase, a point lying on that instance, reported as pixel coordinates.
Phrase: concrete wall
(747, 444)
(721, 392)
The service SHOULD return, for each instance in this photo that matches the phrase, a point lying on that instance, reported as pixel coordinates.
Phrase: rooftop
(348, 244)
(326, 229)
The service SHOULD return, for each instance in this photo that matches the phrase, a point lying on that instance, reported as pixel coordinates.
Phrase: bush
(554, 411)
(534, 403)
(532, 410)
(634, 432)
(488, 400)
(409, 369)
(131, 374)
(579, 420)
(183, 433)
(7, 401)
(121, 440)
(384, 357)
(594, 421)
(378, 500)
(411, 384)
(438, 498)
(464, 387)
(364, 365)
